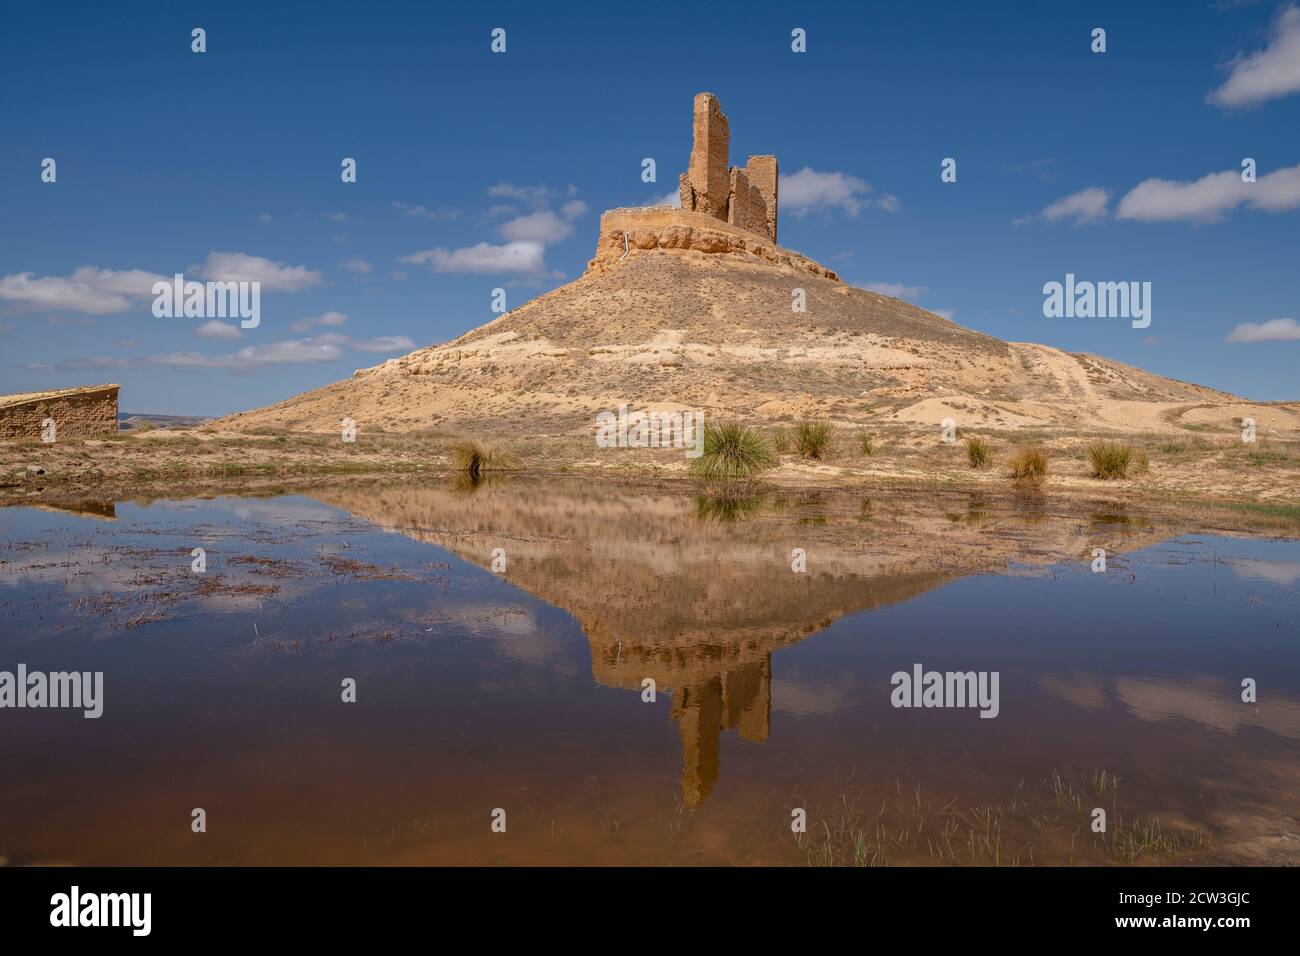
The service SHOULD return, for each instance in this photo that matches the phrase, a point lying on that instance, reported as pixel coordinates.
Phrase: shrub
(868, 445)
(1029, 464)
(979, 453)
(812, 439)
(726, 506)
(1110, 459)
(472, 458)
(731, 452)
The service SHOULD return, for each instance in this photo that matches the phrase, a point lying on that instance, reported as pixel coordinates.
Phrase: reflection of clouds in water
(1081, 693)
(492, 620)
(513, 630)
(276, 510)
(80, 571)
(226, 602)
(93, 571)
(808, 699)
(1281, 573)
(1210, 703)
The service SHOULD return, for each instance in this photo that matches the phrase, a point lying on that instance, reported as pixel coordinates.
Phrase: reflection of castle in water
(740, 699)
(701, 605)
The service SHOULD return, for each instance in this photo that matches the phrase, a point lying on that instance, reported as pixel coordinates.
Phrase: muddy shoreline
(1226, 487)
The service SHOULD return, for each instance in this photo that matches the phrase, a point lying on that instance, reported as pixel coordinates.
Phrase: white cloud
(213, 329)
(673, 199)
(382, 343)
(360, 266)
(337, 217)
(532, 194)
(442, 213)
(326, 318)
(98, 361)
(948, 314)
(808, 191)
(1278, 330)
(543, 227)
(893, 289)
(289, 352)
(1208, 198)
(573, 209)
(264, 217)
(889, 202)
(1087, 205)
(1268, 73)
(521, 256)
(89, 289)
(320, 348)
(274, 276)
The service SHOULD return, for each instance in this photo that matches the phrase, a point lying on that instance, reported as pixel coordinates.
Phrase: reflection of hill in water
(99, 508)
(699, 605)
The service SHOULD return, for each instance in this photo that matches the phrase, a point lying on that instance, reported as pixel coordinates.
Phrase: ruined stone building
(87, 411)
(745, 198)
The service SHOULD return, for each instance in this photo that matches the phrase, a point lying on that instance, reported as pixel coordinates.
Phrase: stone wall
(764, 175)
(89, 412)
(747, 197)
(746, 208)
(706, 175)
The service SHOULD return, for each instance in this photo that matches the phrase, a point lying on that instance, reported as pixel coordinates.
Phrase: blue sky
(478, 170)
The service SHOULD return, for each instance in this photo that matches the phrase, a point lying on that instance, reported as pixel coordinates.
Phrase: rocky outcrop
(626, 232)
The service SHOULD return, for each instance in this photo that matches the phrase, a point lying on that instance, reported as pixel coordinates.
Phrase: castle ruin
(744, 198)
(725, 211)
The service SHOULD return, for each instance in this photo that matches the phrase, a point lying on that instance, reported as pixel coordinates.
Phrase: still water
(517, 692)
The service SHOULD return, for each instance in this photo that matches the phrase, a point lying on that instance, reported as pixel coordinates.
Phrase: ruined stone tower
(745, 198)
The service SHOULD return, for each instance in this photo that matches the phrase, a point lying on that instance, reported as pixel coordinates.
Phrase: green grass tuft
(732, 452)
(812, 439)
(1110, 460)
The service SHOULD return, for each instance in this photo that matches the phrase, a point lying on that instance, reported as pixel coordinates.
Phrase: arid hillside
(679, 310)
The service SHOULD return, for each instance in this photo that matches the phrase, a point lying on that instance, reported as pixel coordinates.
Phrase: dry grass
(979, 453)
(813, 439)
(1110, 460)
(473, 459)
(1029, 464)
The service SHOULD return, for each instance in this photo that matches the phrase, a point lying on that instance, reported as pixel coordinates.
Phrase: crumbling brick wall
(78, 413)
(764, 175)
(746, 208)
(742, 197)
(706, 177)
